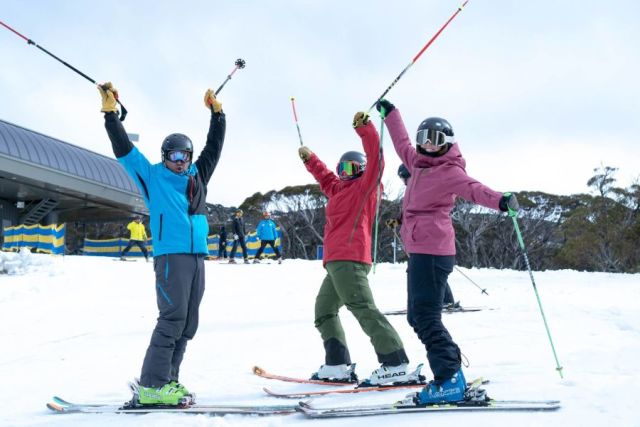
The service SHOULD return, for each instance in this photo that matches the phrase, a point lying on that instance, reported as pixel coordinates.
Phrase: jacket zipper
(160, 233)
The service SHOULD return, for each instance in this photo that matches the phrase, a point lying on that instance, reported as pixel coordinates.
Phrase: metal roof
(51, 153)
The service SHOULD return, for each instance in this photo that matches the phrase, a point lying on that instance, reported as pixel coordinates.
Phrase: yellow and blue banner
(113, 247)
(44, 238)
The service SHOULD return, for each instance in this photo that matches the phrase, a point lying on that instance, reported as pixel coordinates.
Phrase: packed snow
(78, 327)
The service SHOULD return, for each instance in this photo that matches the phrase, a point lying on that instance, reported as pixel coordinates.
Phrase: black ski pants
(222, 249)
(138, 243)
(263, 244)
(179, 290)
(426, 283)
(243, 245)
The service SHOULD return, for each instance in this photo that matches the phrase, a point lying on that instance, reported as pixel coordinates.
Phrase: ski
(264, 374)
(491, 405)
(444, 310)
(61, 406)
(315, 393)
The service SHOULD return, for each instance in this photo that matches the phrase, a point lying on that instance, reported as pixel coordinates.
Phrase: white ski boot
(395, 375)
(336, 373)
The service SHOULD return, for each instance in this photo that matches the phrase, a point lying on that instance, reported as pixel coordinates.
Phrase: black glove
(384, 107)
(508, 202)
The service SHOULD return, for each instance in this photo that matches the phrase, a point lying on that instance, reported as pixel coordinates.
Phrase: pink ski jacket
(351, 207)
(431, 193)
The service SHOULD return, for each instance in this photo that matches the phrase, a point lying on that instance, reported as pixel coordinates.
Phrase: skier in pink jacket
(438, 176)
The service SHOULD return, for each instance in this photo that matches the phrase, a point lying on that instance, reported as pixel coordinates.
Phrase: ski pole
(239, 64)
(415, 58)
(123, 112)
(512, 214)
(295, 117)
(378, 199)
(484, 291)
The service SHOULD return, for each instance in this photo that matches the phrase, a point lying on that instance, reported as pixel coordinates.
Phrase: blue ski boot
(451, 390)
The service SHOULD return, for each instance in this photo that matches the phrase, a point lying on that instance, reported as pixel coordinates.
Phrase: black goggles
(179, 156)
(432, 137)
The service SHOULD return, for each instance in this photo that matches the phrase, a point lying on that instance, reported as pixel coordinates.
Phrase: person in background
(267, 234)
(438, 176)
(222, 243)
(238, 238)
(175, 192)
(137, 236)
(350, 211)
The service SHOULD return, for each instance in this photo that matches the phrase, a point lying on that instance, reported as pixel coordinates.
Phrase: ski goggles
(348, 169)
(432, 137)
(179, 156)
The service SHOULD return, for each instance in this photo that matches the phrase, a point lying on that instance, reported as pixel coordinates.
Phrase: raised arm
(371, 144)
(401, 141)
(210, 155)
(329, 182)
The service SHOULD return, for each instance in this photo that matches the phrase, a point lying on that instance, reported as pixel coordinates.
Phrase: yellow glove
(109, 97)
(360, 119)
(210, 101)
(304, 153)
(392, 223)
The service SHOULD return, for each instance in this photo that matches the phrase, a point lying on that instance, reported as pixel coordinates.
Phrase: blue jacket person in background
(175, 191)
(267, 234)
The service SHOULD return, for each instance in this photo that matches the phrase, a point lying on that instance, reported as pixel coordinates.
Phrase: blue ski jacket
(267, 230)
(176, 202)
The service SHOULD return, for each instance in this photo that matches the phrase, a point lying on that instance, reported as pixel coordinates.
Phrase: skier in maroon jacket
(438, 176)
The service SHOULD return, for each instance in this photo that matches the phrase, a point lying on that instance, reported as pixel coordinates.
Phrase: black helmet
(404, 173)
(352, 164)
(176, 142)
(434, 130)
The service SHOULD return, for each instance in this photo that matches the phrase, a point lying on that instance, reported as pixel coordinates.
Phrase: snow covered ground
(78, 327)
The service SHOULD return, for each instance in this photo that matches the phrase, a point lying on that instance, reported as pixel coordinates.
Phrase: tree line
(591, 232)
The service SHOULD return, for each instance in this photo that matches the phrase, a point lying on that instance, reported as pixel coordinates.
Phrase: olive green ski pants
(346, 284)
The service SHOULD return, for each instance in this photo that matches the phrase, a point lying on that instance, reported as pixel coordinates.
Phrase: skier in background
(238, 238)
(222, 244)
(175, 191)
(347, 258)
(267, 234)
(438, 175)
(137, 236)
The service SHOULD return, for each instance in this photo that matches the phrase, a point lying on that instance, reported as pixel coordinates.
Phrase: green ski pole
(513, 214)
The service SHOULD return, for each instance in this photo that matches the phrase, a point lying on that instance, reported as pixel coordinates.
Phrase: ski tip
(258, 370)
(55, 407)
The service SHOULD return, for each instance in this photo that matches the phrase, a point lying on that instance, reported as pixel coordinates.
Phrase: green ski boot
(168, 395)
(180, 387)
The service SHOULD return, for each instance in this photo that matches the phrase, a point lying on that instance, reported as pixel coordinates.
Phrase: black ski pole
(123, 112)
(240, 63)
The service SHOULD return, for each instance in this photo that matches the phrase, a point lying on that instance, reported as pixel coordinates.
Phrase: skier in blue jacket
(175, 191)
(267, 234)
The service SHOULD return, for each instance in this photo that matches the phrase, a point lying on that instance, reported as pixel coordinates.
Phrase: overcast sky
(539, 93)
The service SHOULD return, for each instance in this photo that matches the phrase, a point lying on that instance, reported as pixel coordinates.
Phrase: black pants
(222, 249)
(448, 295)
(138, 243)
(243, 245)
(179, 290)
(426, 283)
(264, 243)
